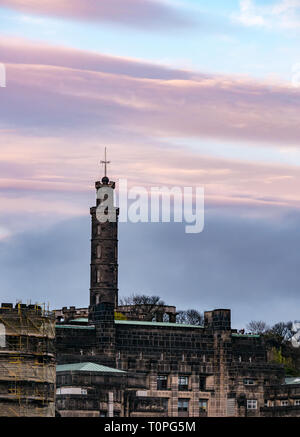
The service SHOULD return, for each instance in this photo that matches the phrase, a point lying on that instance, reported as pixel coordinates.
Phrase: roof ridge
(87, 366)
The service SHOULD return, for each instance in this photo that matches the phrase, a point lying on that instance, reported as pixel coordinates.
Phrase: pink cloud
(56, 92)
(137, 13)
(56, 115)
(62, 171)
(19, 51)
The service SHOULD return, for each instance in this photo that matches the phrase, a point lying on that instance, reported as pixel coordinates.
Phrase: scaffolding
(27, 361)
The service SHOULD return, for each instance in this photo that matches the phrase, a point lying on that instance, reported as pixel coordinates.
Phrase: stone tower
(104, 254)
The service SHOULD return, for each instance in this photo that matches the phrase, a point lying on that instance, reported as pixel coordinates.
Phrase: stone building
(27, 361)
(80, 390)
(283, 400)
(136, 365)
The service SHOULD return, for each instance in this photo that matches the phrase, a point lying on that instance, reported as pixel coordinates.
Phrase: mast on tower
(105, 162)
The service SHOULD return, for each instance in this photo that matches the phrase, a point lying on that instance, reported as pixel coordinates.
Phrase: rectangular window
(183, 405)
(162, 382)
(251, 404)
(249, 381)
(165, 404)
(98, 276)
(202, 383)
(183, 383)
(98, 251)
(203, 405)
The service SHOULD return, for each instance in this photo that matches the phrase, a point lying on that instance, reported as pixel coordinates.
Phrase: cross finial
(105, 162)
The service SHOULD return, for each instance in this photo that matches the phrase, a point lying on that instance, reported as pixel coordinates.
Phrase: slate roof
(87, 367)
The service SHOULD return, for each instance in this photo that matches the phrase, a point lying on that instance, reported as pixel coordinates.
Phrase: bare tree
(141, 303)
(257, 327)
(190, 317)
(152, 305)
(282, 331)
(141, 299)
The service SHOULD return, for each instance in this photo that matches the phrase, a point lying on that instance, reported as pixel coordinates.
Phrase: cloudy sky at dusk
(183, 93)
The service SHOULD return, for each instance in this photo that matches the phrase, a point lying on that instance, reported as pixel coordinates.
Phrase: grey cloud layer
(234, 263)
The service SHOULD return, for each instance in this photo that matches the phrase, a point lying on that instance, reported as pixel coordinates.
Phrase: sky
(183, 93)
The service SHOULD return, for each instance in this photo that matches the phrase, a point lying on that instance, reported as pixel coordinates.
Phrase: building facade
(119, 361)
